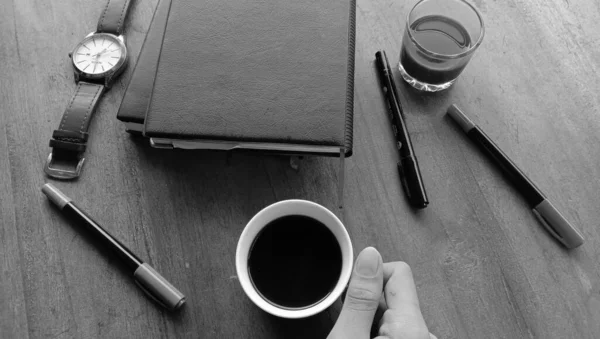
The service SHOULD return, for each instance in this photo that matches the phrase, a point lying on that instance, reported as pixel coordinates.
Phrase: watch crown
(70, 54)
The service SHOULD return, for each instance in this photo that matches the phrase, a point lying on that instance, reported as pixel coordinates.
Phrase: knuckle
(385, 331)
(363, 294)
(396, 331)
(396, 324)
(362, 299)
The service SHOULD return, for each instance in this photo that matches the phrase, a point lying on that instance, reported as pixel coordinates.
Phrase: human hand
(372, 279)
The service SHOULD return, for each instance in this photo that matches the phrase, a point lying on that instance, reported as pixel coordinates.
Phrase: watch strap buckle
(70, 170)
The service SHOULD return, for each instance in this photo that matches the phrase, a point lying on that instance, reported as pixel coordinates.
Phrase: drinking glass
(439, 40)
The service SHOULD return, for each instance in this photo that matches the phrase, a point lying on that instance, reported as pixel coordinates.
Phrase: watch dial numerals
(97, 54)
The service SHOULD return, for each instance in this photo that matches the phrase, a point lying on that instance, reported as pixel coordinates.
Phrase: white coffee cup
(276, 211)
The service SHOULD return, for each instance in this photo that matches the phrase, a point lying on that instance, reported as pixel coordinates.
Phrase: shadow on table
(247, 180)
(317, 326)
(180, 160)
(419, 102)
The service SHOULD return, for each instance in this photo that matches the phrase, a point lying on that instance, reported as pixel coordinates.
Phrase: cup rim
(446, 56)
(257, 224)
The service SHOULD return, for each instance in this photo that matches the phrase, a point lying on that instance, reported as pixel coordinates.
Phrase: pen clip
(158, 288)
(547, 226)
(148, 293)
(557, 225)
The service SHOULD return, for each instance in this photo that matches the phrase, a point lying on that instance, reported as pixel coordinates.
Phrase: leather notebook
(271, 75)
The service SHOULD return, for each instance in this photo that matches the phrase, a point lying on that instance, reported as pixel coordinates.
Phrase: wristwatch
(97, 60)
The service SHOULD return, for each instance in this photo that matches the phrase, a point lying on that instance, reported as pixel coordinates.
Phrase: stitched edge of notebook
(349, 124)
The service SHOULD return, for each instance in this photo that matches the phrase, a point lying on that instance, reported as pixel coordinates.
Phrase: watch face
(99, 54)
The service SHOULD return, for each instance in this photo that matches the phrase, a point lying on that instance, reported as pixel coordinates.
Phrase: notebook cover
(139, 90)
(273, 71)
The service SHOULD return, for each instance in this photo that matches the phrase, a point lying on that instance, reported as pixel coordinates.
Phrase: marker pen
(152, 283)
(542, 208)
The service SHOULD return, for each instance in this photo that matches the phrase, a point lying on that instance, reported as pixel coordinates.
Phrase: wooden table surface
(483, 265)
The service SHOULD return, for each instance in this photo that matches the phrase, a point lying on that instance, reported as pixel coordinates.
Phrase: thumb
(362, 298)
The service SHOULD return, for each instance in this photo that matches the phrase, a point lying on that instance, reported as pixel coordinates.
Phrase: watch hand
(100, 53)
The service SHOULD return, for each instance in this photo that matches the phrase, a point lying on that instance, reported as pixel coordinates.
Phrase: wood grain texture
(483, 265)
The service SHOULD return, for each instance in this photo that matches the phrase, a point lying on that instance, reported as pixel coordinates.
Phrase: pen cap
(461, 119)
(557, 225)
(158, 288)
(55, 195)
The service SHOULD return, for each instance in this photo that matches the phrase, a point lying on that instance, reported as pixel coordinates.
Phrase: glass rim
(446, 56)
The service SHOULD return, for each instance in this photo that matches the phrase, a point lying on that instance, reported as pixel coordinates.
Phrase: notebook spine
(122, 114)
(349, 123)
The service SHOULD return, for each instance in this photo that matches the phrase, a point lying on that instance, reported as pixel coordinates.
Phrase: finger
(362, 299)
(400, 291)
(406, 324)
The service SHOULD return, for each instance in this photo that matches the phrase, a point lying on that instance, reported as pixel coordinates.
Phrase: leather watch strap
(113, 17)
(69, 141)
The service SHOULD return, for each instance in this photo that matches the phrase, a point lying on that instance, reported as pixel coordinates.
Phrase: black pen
(408, 167)
(152, 283)
(546, 213)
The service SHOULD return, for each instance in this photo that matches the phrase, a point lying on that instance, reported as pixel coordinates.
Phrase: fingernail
(367, 263)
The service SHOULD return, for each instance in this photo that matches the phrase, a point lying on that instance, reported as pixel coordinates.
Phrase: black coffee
(440, 35)
(295, 262)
